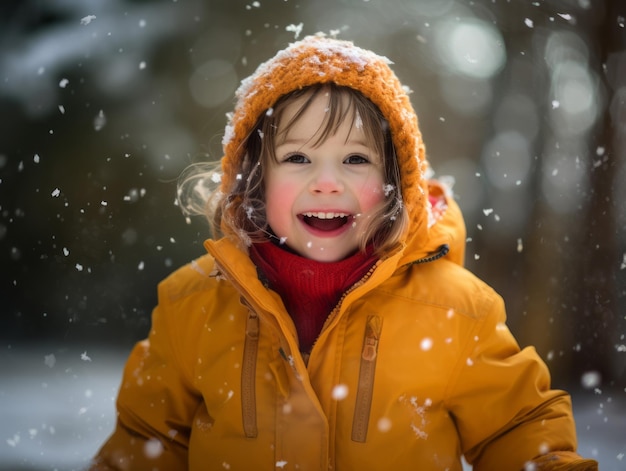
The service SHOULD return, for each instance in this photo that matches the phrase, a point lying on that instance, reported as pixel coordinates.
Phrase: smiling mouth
(326, 222)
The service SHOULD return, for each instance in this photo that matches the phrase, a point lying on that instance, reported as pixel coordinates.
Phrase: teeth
(320, 215)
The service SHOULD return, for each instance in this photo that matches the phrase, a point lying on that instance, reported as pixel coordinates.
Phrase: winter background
(104, 102)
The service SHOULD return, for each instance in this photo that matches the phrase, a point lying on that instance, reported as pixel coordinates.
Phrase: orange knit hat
(317, 60)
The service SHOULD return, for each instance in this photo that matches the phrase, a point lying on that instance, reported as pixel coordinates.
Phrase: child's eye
(296, 158)
(356, 159)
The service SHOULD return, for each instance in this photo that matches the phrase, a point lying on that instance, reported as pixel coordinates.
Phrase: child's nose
(326, 180)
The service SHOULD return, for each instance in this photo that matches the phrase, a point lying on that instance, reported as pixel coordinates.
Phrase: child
(333, 326)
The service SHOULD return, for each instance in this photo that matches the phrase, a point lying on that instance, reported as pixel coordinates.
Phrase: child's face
(318, 195)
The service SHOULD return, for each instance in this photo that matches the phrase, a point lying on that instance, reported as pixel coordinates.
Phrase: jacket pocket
(365, 390)
(248, 376)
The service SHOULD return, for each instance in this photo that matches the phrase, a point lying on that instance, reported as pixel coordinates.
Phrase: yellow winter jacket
(414, 368)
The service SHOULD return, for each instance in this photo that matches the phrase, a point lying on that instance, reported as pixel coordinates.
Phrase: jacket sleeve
(156, 401)
(507, 415)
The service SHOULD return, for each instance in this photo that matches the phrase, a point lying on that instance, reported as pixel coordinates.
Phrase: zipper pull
(291, 362)
(370, 348)
(252, 325)
(372, 336)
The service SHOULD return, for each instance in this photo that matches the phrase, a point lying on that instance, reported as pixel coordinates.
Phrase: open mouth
(326, 222)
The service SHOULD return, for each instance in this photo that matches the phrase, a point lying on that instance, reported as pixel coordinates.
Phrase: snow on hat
(318, 60)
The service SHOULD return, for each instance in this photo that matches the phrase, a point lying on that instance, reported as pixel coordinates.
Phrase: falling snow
(295, 29)
(99, 121)
(384, 424)
(50, 360)
(340, 392)
(153, 448)
(87, 19)
(591, 379)
(426, 344)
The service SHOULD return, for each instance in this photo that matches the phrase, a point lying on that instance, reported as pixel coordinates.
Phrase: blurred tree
(595, 292)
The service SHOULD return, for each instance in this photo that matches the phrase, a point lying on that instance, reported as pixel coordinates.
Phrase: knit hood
(319, 60)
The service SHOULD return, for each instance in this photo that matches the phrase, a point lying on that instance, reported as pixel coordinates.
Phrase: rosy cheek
(280, 197)
(282, 190)
(371, 196)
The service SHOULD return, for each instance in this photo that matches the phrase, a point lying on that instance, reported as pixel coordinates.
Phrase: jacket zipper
(441, 251)
(248, 375)
(367, 370)
(335, 310)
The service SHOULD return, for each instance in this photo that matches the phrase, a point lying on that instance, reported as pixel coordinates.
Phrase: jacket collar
(444, 227)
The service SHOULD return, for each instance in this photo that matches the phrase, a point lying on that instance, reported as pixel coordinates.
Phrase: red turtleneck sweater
(309, 289)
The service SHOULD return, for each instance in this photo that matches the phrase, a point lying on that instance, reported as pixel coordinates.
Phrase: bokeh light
(470, 47)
